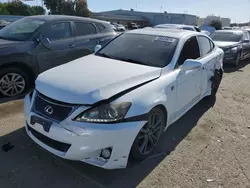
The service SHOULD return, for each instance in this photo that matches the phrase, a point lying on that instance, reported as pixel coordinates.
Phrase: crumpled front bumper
(85, 141)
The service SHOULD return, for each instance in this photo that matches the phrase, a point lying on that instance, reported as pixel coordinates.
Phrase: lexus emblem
(48, 109)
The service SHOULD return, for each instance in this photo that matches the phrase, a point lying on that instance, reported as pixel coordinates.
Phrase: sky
(236, 10)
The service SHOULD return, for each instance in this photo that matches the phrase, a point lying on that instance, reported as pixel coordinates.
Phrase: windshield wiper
(103, 55)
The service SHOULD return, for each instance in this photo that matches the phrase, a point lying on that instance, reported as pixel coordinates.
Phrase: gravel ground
(208, 147)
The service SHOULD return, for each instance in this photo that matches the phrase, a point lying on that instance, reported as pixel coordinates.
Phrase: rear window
(151, 50)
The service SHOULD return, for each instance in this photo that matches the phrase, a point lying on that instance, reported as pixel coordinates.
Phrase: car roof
(174, 25)
(63, 18)
(175, 33)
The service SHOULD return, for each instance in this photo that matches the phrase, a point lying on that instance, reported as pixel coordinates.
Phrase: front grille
(58, 110)
(60, 146)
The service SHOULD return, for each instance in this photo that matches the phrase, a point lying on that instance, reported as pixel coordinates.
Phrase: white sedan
(104, 107)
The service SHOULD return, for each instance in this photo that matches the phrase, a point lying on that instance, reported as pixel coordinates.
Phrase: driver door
(60, 49)
(188, 81)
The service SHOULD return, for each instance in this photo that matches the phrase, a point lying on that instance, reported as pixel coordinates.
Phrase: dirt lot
(208, 147)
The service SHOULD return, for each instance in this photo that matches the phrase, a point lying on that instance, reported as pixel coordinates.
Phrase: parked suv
(34, 44)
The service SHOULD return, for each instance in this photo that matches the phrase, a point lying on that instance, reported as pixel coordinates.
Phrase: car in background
(235, 43)
(248, 30)
(132, 26)
(35, 44)
(227, 28)
(105, 107)
(120, 27)
(206, 32)
(113, 27)
(3, 23)
(178, 26)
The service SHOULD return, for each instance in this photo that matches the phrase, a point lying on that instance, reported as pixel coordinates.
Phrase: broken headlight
(106, 113)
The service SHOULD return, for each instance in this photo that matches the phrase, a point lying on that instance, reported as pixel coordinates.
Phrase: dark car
(2, 26)
(35, 44)
(235, 43)
(178, 26)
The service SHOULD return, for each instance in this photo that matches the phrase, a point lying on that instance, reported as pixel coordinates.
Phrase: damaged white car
(104, 107)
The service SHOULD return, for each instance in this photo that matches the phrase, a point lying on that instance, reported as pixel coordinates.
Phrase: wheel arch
(24, 67)
(164, 109)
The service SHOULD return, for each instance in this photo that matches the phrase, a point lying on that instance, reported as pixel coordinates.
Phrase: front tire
(148, 137)
(237, 61)
(13, 82)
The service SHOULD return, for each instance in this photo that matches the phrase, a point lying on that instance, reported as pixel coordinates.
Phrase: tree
(16, 7)
(81, 8)
(37, 10)
(68, 7)
(3, 9)
(216, 24)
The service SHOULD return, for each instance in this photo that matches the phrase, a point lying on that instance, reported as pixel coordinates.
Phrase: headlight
(105, 113)
(232, 50)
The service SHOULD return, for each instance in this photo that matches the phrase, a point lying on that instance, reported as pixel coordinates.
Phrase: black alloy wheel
(149, 135)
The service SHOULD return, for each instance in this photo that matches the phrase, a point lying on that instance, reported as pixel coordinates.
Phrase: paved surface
(208, 147)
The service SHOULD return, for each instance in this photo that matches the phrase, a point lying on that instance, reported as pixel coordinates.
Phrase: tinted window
(227, 36)
(21, 29)
(83, 29)
(58, 31)
(205, 45)
(190, 50)
(143, 49)
(100, 27)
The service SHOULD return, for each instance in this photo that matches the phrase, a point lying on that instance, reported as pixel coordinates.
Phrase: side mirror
(191, 64)
(97, 48)
(45, 41)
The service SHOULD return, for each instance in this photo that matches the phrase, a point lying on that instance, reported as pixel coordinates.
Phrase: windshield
(150, 50)
(21, 29)
(227, 36)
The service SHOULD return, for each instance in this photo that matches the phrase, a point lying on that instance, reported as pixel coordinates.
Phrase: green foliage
(68, 7)
(216, 24)
(16, 7)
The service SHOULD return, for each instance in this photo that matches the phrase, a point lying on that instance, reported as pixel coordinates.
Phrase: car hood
(8, 47)
(8, 43)
(223, 44)
(92, 78)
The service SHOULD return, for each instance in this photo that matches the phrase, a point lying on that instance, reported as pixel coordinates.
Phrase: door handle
(72, 45)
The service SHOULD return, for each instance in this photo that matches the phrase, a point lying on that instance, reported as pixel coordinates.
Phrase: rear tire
(13, 82)
(149, 136)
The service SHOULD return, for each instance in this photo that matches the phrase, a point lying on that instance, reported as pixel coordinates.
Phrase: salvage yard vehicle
(35, 44)
(178, 26)
(117, 102)
(235, 43)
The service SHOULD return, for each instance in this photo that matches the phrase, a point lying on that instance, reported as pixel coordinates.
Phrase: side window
(205, 45)
(58, 31)
(190, 50)
(83, 29)
(100, 27)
